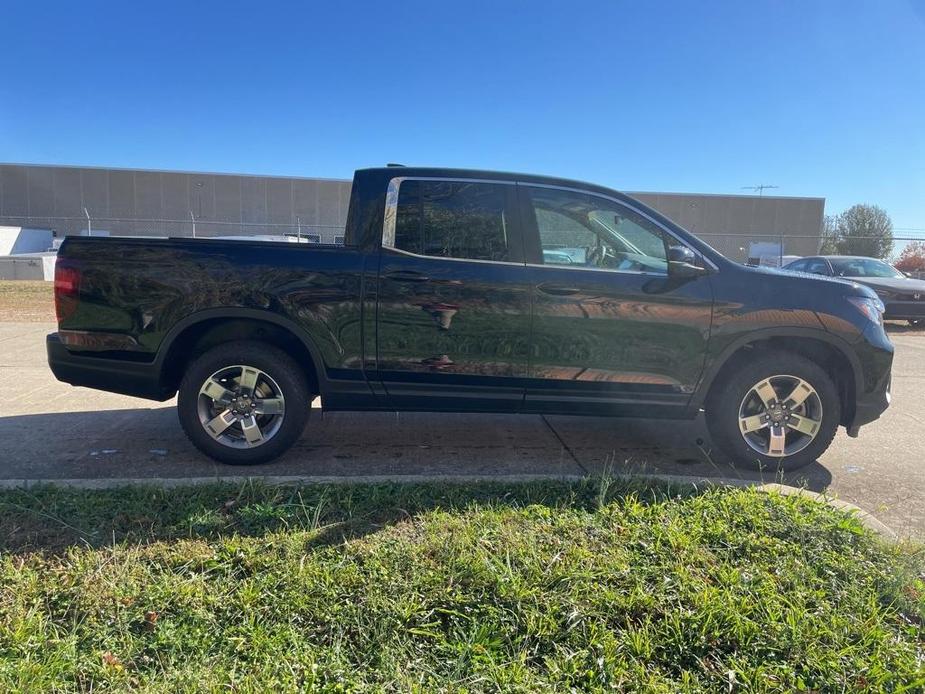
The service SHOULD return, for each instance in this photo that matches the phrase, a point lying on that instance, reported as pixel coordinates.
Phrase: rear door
(453, 314)
(612, 332)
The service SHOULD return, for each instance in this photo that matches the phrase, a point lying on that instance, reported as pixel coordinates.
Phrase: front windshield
(864, 267)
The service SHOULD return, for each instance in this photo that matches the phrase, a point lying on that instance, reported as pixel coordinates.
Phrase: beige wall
(730, 223)
(140, 202)
(125, 201)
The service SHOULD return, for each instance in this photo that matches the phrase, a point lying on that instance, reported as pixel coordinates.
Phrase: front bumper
(870, 406)
(904, 310)
(140, 379)
(872, 391)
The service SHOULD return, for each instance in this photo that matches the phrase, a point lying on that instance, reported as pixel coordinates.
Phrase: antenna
(760, 188)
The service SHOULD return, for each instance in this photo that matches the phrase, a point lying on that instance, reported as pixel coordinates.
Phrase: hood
(898, 284)
(850, 287)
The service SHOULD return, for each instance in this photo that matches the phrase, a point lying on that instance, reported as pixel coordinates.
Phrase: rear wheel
(243, 403)
(778, 411)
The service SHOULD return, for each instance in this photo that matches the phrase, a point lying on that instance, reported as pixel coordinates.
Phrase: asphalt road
(52, 431)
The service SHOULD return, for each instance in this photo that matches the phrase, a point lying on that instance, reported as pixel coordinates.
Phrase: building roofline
(173, 171)
(347, 180)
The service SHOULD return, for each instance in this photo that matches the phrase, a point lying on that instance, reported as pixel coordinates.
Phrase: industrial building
(80, 200)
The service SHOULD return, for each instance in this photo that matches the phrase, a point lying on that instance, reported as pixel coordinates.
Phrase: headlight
(872, 308)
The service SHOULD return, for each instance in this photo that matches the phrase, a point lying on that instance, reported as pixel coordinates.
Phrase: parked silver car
(903, 296)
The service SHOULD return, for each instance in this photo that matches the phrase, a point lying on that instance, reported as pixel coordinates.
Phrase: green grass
(539, 587)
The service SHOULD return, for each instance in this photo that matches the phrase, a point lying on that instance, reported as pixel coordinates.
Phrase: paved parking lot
(53, 431)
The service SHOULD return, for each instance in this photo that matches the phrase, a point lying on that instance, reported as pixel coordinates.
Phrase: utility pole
(193, 220)
(89, 223)
(199, 190)
(760, 188)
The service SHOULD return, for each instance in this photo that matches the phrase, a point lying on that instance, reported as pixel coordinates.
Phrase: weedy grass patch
(535, 587)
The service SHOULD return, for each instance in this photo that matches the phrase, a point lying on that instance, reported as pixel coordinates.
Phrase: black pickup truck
(461, 290)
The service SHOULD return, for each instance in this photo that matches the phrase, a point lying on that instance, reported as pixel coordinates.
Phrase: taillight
(67, 290)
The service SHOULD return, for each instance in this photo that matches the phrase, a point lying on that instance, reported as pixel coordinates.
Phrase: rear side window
(817, 267)
(453, 219)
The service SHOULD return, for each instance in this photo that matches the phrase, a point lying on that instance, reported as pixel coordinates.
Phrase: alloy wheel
(241, 406)
(780, 416)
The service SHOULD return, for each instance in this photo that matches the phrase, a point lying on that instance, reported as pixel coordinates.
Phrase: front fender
(714, 366)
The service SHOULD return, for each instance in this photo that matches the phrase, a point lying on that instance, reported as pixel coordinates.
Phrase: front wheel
(243, 403)
(778, 411)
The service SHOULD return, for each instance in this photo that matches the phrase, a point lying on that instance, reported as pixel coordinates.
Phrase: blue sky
(822, 98)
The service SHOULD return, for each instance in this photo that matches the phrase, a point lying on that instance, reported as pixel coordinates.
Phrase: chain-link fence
(763, 249)
(747, 247)
(774, 250)
(295, 230)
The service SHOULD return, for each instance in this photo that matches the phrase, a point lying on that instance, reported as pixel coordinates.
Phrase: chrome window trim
(392, 249)
(609, 271)
(628, 206)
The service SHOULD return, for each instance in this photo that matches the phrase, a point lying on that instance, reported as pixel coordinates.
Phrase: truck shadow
(482, 454)
(54, 520)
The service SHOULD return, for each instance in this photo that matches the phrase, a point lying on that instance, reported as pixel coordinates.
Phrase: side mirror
(682, 262)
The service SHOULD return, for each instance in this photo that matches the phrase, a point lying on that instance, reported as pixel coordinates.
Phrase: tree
(829, 244)
(912, 259)
(862, 230)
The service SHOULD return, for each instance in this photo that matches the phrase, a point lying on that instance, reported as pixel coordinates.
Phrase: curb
(864, 517)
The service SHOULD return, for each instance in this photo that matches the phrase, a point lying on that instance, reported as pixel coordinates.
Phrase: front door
(453, 314)
(612, 332)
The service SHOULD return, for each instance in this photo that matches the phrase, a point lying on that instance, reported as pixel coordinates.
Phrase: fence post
(89, 223)
(193, 220)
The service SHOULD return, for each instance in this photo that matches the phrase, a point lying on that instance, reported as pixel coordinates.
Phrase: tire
(736, 395)
(249, 383)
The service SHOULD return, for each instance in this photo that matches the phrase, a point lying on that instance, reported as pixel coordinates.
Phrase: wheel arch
(202, 330)
(826, 350)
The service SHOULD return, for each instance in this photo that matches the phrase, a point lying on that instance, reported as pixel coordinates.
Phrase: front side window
(586, 231)
(452, 219)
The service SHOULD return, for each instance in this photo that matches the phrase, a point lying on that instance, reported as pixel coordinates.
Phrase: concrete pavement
(50, 431)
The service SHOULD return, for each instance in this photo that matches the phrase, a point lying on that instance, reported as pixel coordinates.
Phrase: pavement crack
(564, 445)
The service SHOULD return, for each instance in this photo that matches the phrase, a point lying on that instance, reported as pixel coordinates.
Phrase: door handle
(558, 289)
(406, 276)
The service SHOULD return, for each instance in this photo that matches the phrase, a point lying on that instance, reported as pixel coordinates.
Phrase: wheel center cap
(243, 405)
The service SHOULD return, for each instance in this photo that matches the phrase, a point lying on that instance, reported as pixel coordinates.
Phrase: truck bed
(135, 293)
